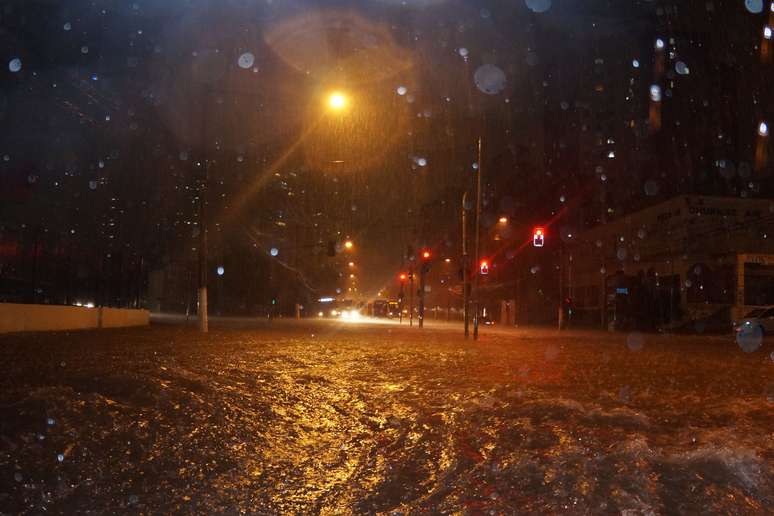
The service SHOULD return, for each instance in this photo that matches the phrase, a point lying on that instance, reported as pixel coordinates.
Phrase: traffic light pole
(477, 243)
(400, 305)
(561, 309)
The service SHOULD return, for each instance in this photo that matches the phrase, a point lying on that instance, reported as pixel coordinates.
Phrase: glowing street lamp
(337, 101)
(348, 244)
(503, 220)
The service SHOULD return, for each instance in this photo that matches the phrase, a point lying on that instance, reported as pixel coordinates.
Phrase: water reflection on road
(350, 419)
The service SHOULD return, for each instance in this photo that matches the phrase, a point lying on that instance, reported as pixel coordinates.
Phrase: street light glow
(348, 244)
(503, 220)
(337, 101)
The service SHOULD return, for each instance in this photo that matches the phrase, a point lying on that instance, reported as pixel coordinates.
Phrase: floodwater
(338, 419)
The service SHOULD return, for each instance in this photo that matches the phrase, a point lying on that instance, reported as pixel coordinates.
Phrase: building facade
(692, 258)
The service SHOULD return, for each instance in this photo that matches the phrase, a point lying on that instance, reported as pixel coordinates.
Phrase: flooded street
(332, 418)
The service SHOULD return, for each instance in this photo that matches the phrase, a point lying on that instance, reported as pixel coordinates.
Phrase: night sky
(588, 110)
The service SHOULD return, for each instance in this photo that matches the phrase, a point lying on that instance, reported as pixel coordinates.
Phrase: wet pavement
(334, 418)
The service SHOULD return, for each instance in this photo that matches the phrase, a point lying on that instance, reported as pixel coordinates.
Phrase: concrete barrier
(120, 317)
(20, 317)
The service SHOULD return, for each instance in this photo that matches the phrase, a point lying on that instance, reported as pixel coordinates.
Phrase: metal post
(411, 298)
(477, 297)
(465, 268)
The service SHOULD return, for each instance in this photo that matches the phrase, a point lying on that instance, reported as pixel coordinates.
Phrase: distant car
(485, 320)
(759, 320)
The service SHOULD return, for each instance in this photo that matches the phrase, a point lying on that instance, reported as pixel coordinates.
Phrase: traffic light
(403, 277)
(426, 255)
(484, 267)
(538, 237)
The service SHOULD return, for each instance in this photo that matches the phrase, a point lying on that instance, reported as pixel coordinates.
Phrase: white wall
(20, 317)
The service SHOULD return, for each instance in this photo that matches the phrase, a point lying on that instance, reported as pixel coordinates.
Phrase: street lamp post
(202, 291)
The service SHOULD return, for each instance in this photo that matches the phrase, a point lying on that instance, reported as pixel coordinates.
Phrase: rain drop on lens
(246, 60)
(489, 79)
(754, 6)
(635, 341)
(401, 90)
(15, 65)
(655, 93)
(538, 6)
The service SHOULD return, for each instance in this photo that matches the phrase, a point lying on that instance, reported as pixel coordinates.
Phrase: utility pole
(477, 243)
(465, 267)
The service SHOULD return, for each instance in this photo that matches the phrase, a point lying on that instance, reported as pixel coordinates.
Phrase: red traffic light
(538, 237)
(484, 267)
(425, 255)
(403, 277)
